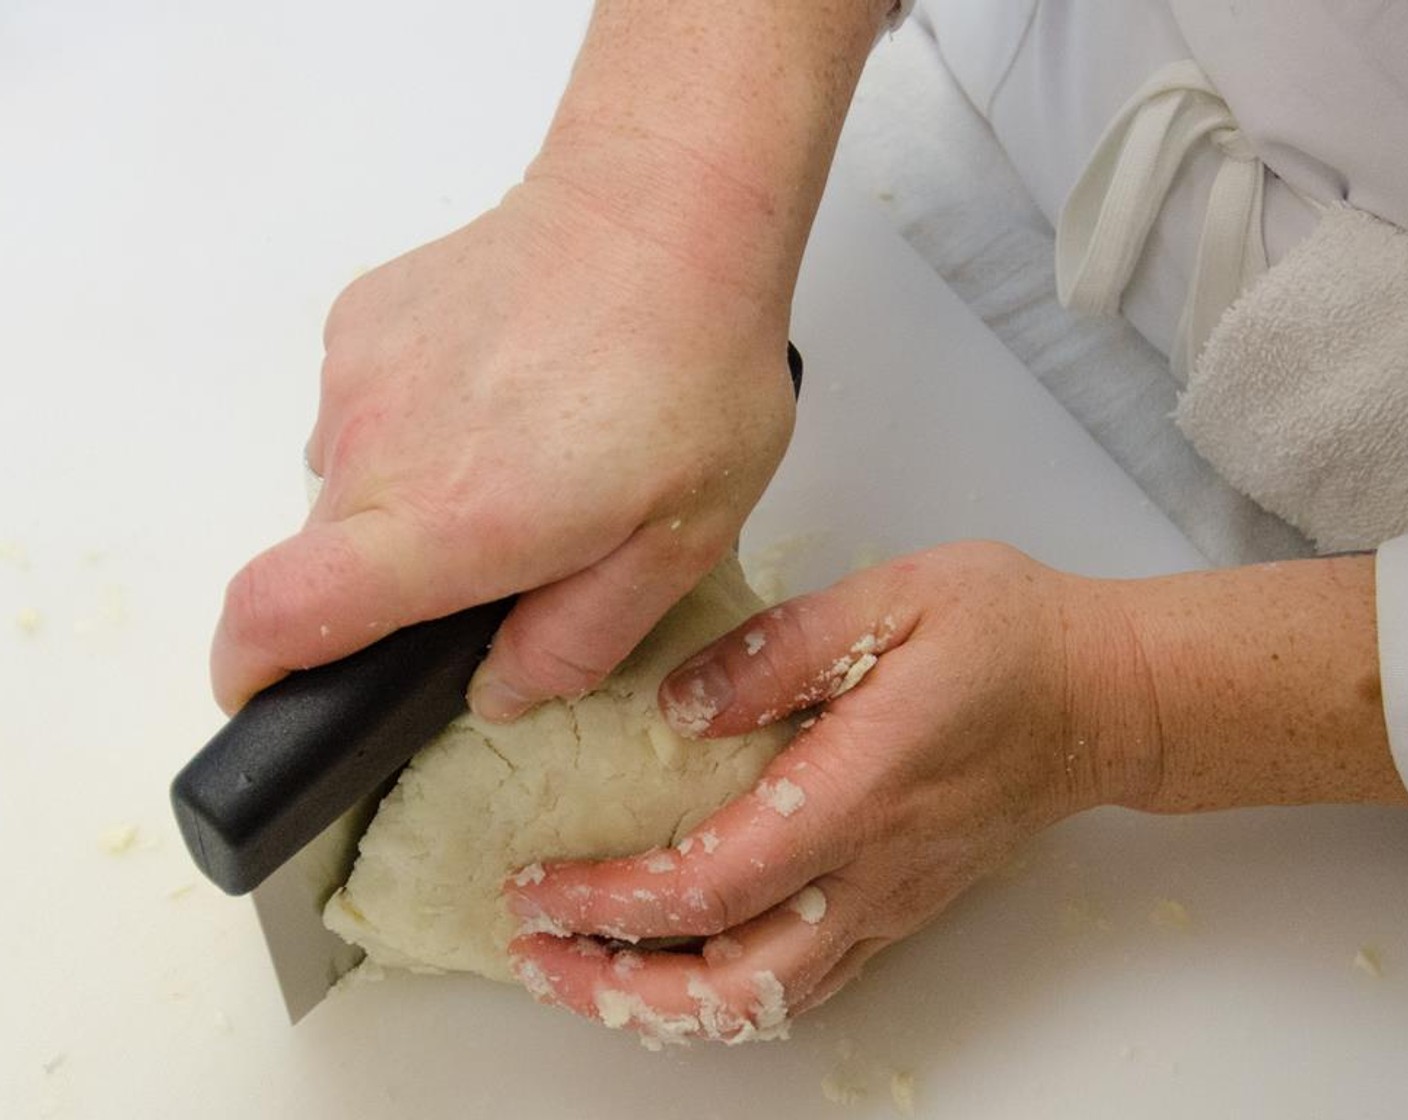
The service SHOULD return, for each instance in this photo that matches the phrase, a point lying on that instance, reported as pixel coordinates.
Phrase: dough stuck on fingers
(599, 777)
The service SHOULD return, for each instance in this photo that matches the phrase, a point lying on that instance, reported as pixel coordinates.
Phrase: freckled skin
(1006, 696)
(529, 403)
(580, 396)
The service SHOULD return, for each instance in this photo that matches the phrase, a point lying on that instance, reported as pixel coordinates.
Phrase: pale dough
(595, 778)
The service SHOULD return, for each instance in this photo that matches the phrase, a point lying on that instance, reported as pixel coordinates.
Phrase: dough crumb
(1170, 914)
(659, 863)
(721, 947)
(902, 1092)
(12, 552)
(532, 874)
(718, 1022)
(541, 923)
(119, 839)
(1367, 961)
(685, 846)
(810, 904)
(781, 796)
(840, 1089)
(619, 1009)
(854, 674)
(368, 972)
(769, 1011)
(29, 620)
(710, 840)
(536, 981)
(754, 640)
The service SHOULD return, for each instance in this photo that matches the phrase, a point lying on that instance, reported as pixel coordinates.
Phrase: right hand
(547, 401)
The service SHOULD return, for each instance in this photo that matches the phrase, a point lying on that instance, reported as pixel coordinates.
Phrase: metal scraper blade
(309, 959)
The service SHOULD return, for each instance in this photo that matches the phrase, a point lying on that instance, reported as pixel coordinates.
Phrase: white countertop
(182, 191)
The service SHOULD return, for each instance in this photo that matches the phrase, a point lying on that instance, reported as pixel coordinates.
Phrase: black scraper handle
(308, 748)
(305, 750)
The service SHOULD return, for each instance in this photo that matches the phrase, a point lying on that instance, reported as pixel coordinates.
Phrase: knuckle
(345, 312)
(774, 647)
(982, 560)
(715, 906)
(255, 608)
(554, 671)
(356, 433)
(336, 375)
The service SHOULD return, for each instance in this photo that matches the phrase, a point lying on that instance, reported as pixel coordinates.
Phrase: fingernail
(492, 699)
(695, 694)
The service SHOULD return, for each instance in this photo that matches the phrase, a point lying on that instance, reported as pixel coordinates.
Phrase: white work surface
(182, 192)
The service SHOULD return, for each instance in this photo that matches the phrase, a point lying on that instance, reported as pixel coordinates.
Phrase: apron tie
(1107, 218)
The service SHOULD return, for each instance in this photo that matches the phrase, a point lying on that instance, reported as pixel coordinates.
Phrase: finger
(760, 848)
(323, 593)
(848, 968)
(787, 659)
(564, 638)
(741, 986)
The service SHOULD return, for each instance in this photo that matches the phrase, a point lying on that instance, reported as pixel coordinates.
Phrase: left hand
(976, 727)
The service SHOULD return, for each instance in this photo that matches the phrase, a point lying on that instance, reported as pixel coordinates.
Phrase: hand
(581, 395)
(547, 401)
(976, 726)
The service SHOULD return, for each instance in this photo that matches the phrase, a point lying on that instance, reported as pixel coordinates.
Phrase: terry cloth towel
(1300, 398)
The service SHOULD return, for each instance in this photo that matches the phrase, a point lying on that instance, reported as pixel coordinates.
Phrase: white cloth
(1319, 88)
(1319, 92)
(1107, 217)
(1301, 397)
(915, 141)
(1050, 77)
(1391, 581)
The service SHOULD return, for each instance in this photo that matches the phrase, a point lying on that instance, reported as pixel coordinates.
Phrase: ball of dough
(594, 778)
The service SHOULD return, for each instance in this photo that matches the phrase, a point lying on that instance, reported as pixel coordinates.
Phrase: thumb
(326, 592)
(563, 639)
(802, 653)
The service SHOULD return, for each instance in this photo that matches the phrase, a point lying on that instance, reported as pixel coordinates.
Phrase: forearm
(710, 130)
(1261, 687)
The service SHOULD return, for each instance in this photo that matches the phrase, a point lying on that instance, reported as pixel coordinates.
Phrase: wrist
(1261, 684)
(655, 198)
(712, 136)
(1111, 736)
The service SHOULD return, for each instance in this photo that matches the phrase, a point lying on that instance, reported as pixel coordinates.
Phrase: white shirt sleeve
(1391, 582)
